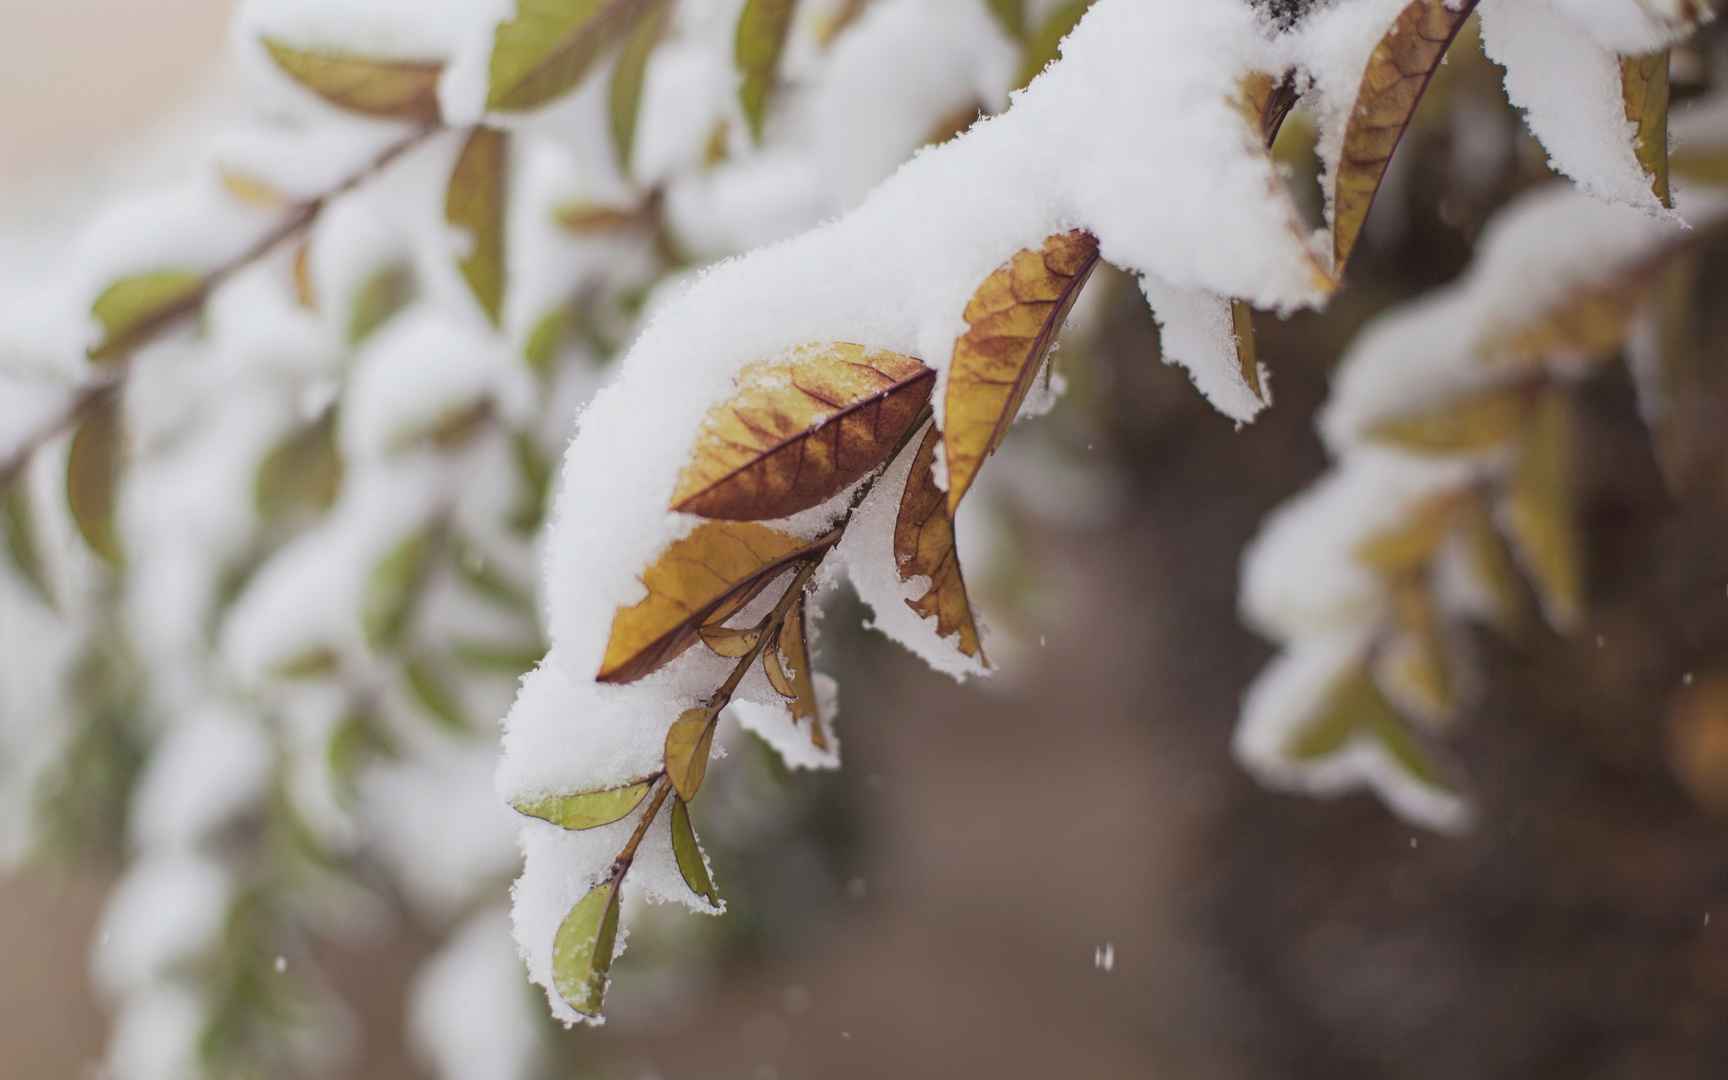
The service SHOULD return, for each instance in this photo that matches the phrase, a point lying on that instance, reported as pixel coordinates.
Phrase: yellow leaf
(763, 27)
(136, 308)
(1540, 513)
(474, 203)
(697, 581)
(924, 547)
(93, 475)
(583, 947)
(689, 742)
(691, 866)
(544, 51)
(1491, 562)
(793, 648)
(727, 642)
(586, 809)
(1011, 323)
(1406, 547)
(624, 95)
(1644, 92)
(305, 294)
(388, 89)
(1392, 86)
(18, 522)
(1465, 425)
(1417, 660)
(250, 190)
(798, 431)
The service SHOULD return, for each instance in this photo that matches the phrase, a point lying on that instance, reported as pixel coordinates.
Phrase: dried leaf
(305, 293)
(302, 474)
(250, 190)
(1247, 350)
(1353, 708)
(728, 642)
(586, 809)
(1011, 323)
(688, 853)
(762, 31)
(1265, 100)
(1541, 517)
(697, 581)
(1011, 14)
(794, 649)
(1044, 41)
(383, 294)
(629, 74)
(775, 668)
(93, 476)
(1406, 547)
(387, 89)
(134, 308)
(1669, 366)
(545, 50)
(1644, 92)
(924, 547)
(582, 950)
(20, 531)
(474, 203)
(433, 694)
(689, 742)
(799, 431)
(1392, 86)
(393, 588)
(1466, 425)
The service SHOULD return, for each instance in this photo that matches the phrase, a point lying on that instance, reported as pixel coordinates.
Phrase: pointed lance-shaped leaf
(1469, 424)
(689, 742)
(135, 308)
(925, 548)
(629, 75)
(688, 853)
(1398, 73)
(393, 588)
(1355, 708)
(1406, 547)
(774, 667)
(93, 475)
(1494, 569)
(1011, 14)
(800, 430)
(385, 89)
(697, 581)
(1644, 90)
(302, 473)
(763, 28)
(435, 696)
(1044, 41)
(20, 536)
(586, 809)
(474, 202)
(1011, 324)
(793, 648)
(1417, 663)
(583, 947)
(1668, 361)
(544, 50)
(1541, 515)
(385, 292)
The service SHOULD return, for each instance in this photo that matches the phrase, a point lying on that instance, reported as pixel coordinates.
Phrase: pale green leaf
(624, 95)
(93, 476)
(586, 809)
(762, 31)
(582, 950)
(315, 663)
(302, 474)
(392, 589)
(20, 531)
(387, 89)
(384, 293)
(510, 660)
(474, 203)
(134, 308)
(434, 695)
(1011, 14)
(1044, 42)
(688, 853)
(544, 51)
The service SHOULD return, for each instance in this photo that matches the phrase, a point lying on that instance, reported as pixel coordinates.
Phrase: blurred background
(1064, 872)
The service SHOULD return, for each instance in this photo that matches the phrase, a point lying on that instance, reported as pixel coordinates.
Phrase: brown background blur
(982, 844)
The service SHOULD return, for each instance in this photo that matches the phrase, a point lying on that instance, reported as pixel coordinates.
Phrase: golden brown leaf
(1247, 351)
(1011, 323)
(1265, 100)
(793, 648)
(250, 190)
(801, 430)
(1592, 319)
(1644, 92)
(305, 293)
(689, 742)
(1540, 513)
(1495, 570)
(93, 476)
(474, 202)
(697, 581)
(924, 547)
(775, 669)
(728, 642)
(388, 89)
(1406, 547)
(1466, 425)
(1417, 661)
(1392, 86)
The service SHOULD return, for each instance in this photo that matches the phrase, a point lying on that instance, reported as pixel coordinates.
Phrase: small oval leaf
(546, 49)
(629, 74)
(689, 741)
(386, 89)
(435, 696)
(691, 865)
(20, 531)
(135, 308)
(586, 809)
(925, 547)
(583, 948)
(392, 590)
(763, 27)
(728, 642)
(93, 475)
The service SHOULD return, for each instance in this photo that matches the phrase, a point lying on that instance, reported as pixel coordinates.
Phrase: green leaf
(384, 293)
(762, 31)
(582, 950)
(688, 743)
(356, 740)
(20, 530)
(510, 660)
(1044, 43)
(388, 89)
(302, 474)
(134, 308)
(315, 663)
(587, 809)
(1541, 518)
(1011, 14)
(546, 340)
(481, 574)
(93, 476)
(1356, 707)
(624, 96)
(452, 429)
(546, 49)
(393, 588)
(474, 203)
(434, 695)
(535, 472)
(689, 855)
(1465, 425)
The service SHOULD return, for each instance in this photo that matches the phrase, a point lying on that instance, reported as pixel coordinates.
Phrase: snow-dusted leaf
(1541, 517)
(1247, 349)
(730, 642)
(1493, 568)
(763, 28)
(474, 203)
(93, 475)
(1644, 90)
(387, 89)
(18, 521)
(688, 854)
(1011, 14)
(380, 296)
(1416, 666)
(586, 809)
(392, 589)
(696, 581)
(452, 429)
(1355, 708)
(1469, 424)
(793, 651)
(135, 308)
(1406, 547)
(1392, 86)
(548, 46)
(429, 687)
(582, 950)
(1011, 323)
(800, 430)
(774, 668)
(302, 473)
(629, 74)
(1044, 41)
(925, 549)
(689, 743)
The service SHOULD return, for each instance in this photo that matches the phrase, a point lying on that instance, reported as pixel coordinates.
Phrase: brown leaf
(1644, 92)
(924, 547)
(698, 581)
(1265, 100)
(725, 641)
(793, 648)
(1011, 323)
(1247, 349)
(389, 89)
(1398, 73)
(801, 430)
(474, 203)
(1540, 513)
(1417, 661)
